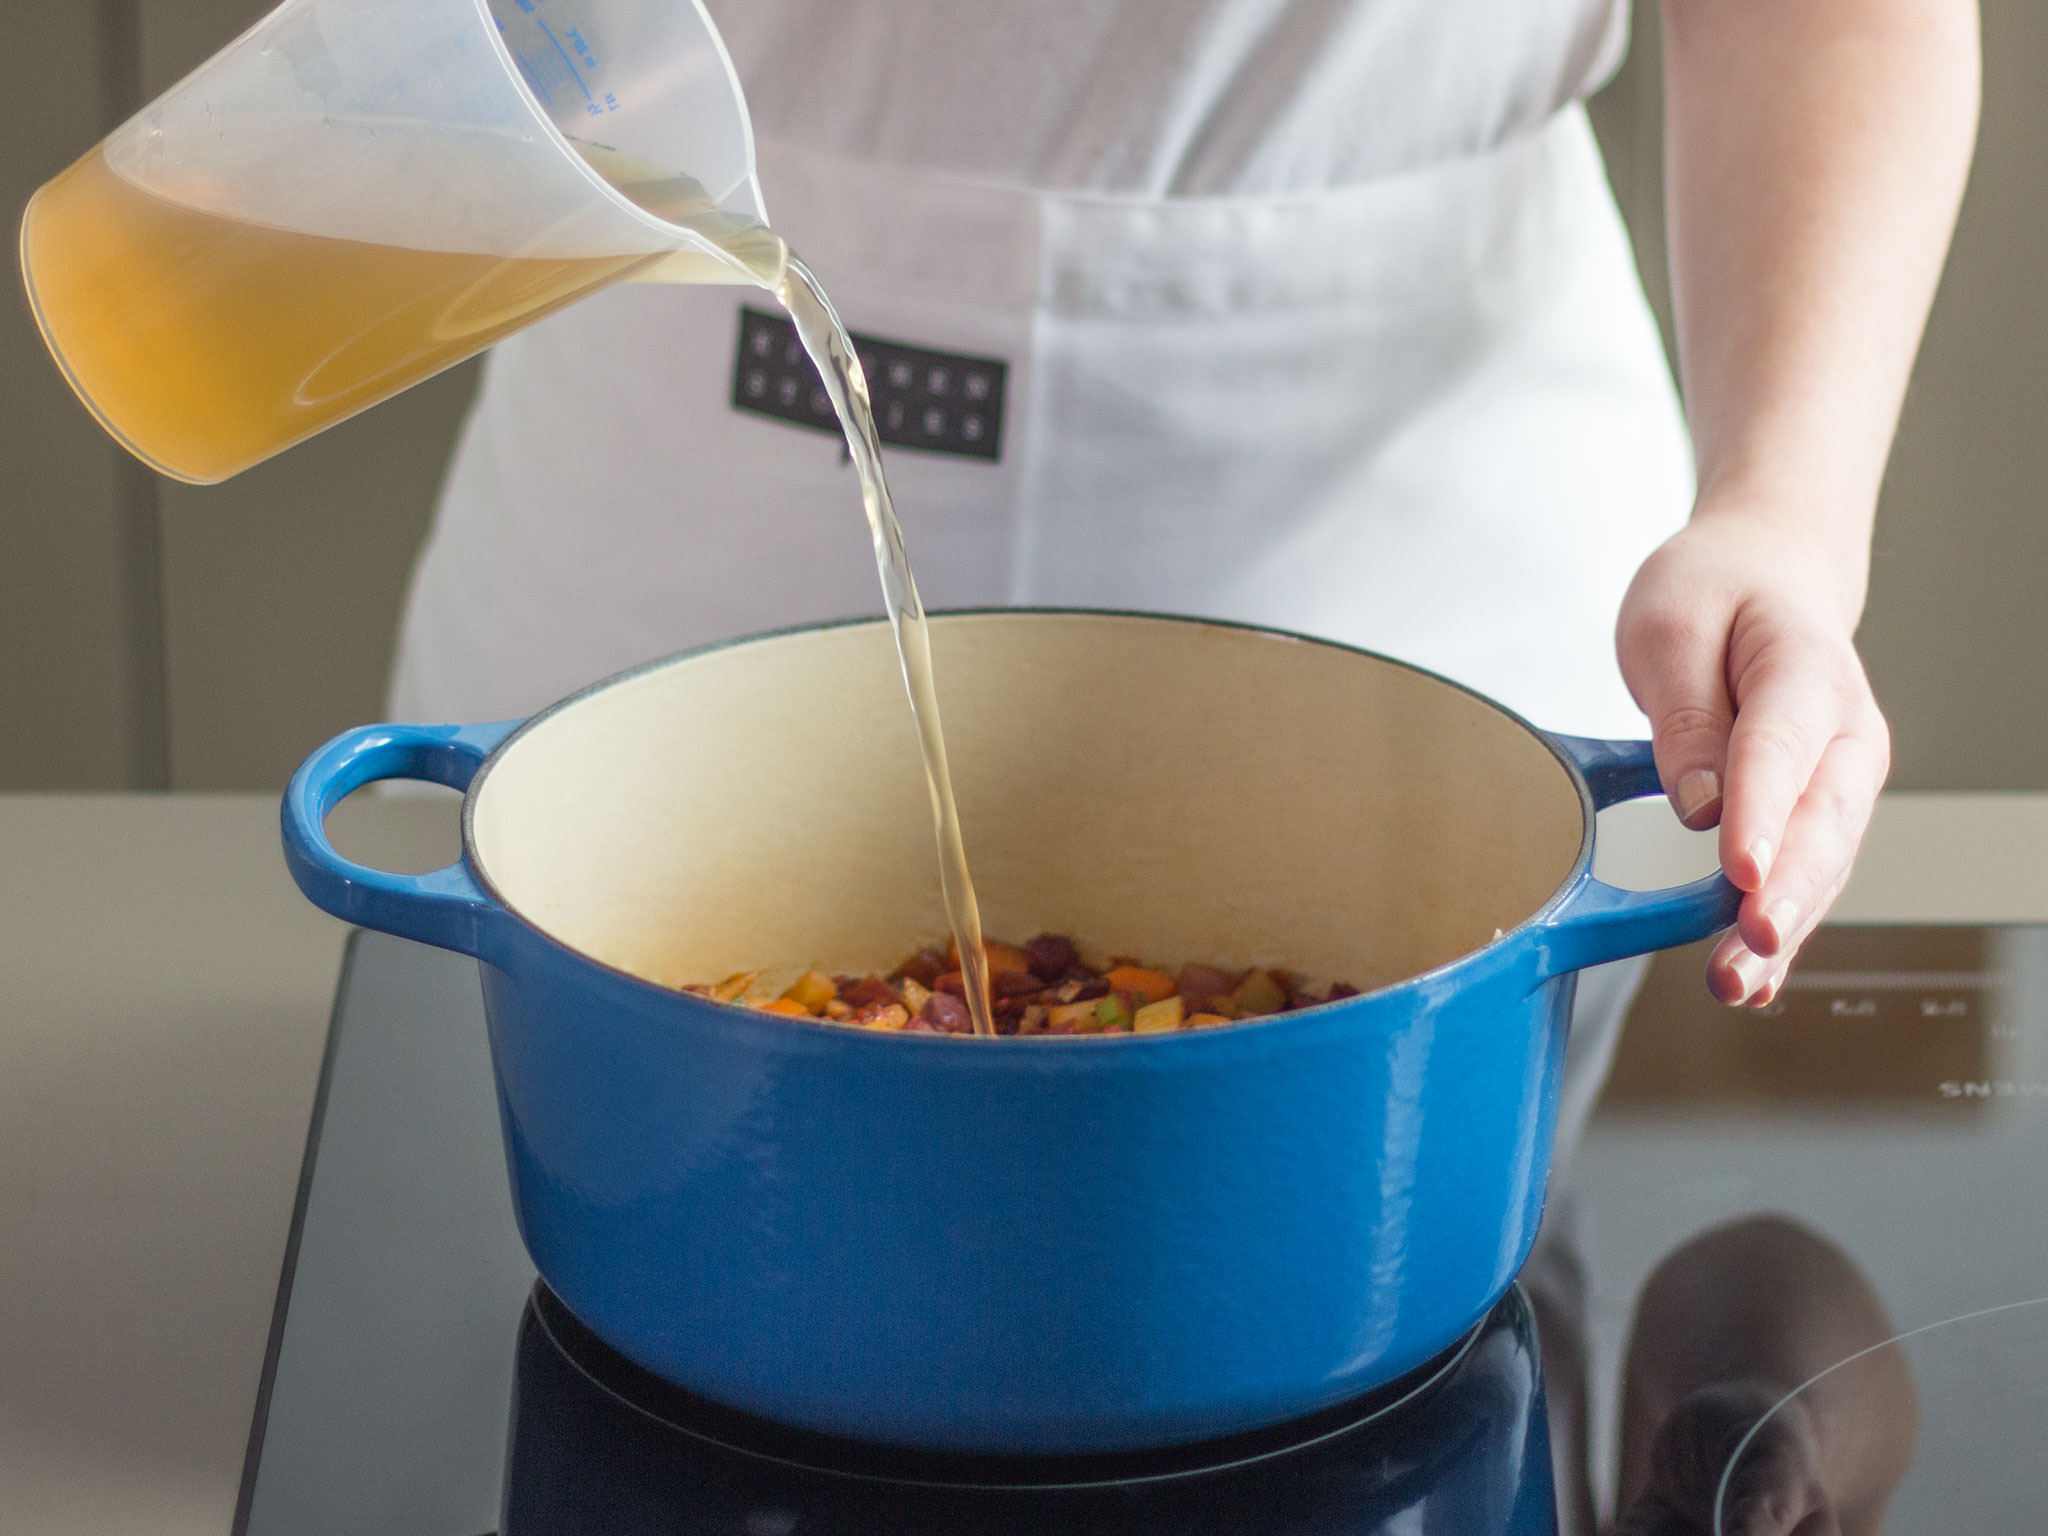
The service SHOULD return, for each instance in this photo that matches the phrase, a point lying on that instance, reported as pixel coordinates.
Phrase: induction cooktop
(421, 1381)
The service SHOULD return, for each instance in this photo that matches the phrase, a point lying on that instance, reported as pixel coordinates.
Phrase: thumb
(1677, 672)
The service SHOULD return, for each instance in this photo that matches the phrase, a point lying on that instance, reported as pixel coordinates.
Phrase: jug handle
(1597, 922)
(447, 907)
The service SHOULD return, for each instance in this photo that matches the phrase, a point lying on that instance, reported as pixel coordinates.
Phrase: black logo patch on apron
(942, 402)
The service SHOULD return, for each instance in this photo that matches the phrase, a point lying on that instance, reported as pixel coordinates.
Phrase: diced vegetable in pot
(1153, 986)
(1045, 987)
(1157, 1018)
(1258, 993)
(812, 991)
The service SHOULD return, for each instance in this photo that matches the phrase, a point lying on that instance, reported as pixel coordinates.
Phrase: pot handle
(445, 908)
(1597, 922)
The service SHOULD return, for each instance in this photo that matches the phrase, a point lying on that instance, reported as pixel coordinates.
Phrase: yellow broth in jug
(206, 344)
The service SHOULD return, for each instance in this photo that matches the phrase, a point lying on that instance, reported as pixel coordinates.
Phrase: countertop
(166, 994)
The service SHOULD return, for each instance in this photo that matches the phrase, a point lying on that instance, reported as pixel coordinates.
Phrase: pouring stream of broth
(771, 263)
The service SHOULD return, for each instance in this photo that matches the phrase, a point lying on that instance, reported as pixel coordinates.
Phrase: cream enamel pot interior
(1043, 1245)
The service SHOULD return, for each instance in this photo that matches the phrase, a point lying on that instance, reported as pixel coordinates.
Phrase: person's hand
(1775, 1488)
(1736, 638)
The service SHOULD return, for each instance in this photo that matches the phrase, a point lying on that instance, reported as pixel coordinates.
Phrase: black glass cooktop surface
(1762, 1205)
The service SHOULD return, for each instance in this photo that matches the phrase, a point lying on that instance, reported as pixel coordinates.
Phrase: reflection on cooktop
(1846, 1436)
(600, 1446)
(1723, 1326)
(1862, 1411)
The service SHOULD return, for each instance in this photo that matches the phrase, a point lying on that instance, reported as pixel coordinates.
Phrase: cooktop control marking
(1871, 1015)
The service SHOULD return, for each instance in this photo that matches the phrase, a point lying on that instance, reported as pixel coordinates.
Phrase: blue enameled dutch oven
(1025, 1245)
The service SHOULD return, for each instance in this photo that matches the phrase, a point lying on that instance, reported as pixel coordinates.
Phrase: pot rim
(1493, 955)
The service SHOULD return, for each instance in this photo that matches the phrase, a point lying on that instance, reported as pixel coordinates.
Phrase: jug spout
(745, 200)
(756, 257)
(646, 93)
(715, 239)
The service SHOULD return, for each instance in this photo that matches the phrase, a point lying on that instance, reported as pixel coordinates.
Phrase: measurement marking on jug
(574, 73)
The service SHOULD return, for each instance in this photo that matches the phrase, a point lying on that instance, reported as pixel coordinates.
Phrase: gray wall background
(156, 635)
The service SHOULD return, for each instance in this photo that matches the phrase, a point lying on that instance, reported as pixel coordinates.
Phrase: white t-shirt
(1166, 98)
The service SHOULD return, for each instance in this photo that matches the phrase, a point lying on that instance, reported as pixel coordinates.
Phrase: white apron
(1427, 414)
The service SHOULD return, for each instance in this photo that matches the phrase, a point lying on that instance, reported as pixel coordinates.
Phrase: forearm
(1816, 152)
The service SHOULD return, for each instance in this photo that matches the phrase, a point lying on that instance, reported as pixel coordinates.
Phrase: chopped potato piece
(1157, 1018)
(1072, 1018)
(813, 989)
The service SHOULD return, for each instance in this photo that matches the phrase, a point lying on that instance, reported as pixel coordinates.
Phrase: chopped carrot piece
(787, 1005)
(1002, 958)
(1153, 986)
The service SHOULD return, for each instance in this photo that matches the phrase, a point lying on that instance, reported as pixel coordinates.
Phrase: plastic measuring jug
(356, 194)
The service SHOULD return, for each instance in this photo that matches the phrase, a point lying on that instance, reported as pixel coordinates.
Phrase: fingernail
(1749, 969)
(1783, 916)
(1760, 854)
(1698, 792)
